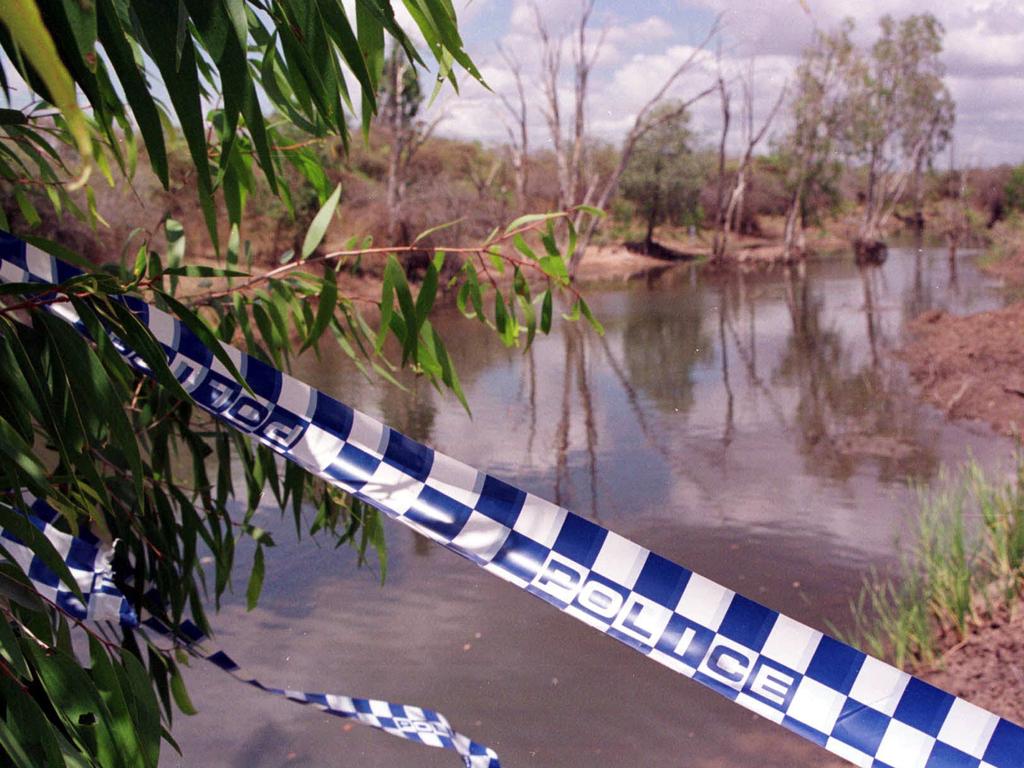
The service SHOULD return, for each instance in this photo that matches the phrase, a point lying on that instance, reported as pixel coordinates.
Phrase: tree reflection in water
(849, 411)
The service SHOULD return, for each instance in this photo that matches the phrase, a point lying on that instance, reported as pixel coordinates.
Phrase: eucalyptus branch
(37, 303)
(110, 646)
(480, 250)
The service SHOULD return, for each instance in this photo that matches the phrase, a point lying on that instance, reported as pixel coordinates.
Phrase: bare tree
(958, 222)
(642, 124)
(725, 99)
(583, 61)
(399, 108)
(577, 186)
(518, 133)
(568, 142)
(733, 216)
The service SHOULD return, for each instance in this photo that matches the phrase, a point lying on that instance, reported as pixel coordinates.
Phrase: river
(756, 428)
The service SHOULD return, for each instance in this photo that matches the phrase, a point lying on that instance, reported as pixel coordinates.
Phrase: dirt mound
(972, 367)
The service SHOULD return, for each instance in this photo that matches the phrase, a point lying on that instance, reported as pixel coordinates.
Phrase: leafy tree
(901, 114)
(664, 177)
(131, 456)
(1014, 192)
(818, 112)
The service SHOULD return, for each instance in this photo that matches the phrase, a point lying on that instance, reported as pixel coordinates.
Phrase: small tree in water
(664, 178)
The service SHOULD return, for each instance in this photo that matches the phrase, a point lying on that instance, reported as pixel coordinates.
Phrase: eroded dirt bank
(972, 367)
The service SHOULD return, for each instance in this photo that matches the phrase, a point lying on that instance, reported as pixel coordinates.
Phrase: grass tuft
(966, 565)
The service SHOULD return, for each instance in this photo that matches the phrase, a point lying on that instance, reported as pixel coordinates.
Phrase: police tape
(89, 562)
(852, 704)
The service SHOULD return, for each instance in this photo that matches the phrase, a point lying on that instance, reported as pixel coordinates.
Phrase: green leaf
(13, 748)
(596, 212)
(545, 313)
(328, 303)
(494, 256)
(394, 271)
(181, 35)
(26, 723)
(255, 586)
(179, 692)
(425, 298)
(523, 247)
(531, 218)
(370, 34)
(440, 227)
(594, 323)
(500, 314)
(28, 210)
(20, 453)
(554, 267)
(93, 381)
(341, 32)
(176, 59)
(81, 18)
(108, 686)
(175, 234)
(318, 227)
(144, 704)
(140, 339)
(10, 651)
(77, 702)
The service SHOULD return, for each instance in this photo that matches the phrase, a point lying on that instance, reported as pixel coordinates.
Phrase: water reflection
(663, 338)
(697, 367)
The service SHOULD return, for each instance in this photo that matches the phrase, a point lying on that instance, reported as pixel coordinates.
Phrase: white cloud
(650, 29)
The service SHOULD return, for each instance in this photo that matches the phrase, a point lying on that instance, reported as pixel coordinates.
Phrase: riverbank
(763, 249)
(972, 367)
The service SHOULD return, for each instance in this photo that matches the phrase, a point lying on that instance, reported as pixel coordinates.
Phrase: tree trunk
(792, 236)
(718, 246)
(395, 183)
(918, 197)
(394, 196)
(651, 223)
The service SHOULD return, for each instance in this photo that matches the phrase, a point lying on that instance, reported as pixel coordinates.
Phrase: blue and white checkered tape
(854, 705)
(87, 558)
(89, 561)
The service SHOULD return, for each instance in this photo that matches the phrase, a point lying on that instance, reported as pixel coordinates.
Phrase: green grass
(964, 565)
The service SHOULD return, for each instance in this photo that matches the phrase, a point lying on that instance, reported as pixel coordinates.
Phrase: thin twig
(472, 250)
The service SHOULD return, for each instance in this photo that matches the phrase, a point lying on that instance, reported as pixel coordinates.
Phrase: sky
(644, 39)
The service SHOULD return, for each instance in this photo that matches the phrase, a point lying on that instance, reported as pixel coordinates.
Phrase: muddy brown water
(757, 429)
